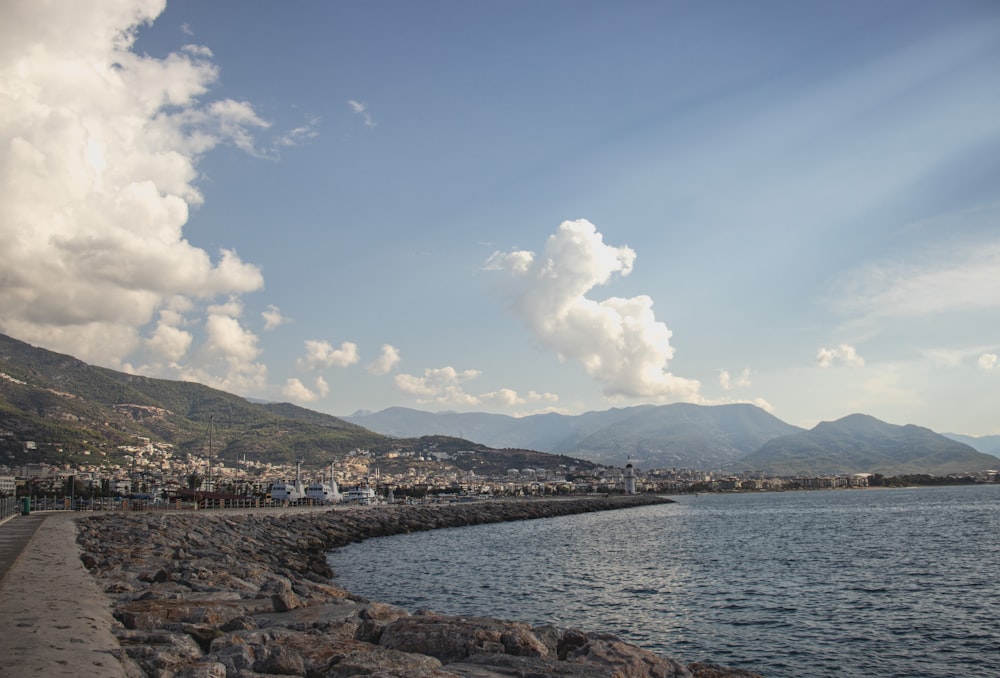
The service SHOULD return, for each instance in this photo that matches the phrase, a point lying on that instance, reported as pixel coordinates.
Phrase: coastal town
(154, 473)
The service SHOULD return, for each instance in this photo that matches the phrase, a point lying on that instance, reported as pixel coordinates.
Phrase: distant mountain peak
(860, 443)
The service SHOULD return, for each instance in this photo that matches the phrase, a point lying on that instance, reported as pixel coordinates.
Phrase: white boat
(360, 495)
(284, 491)
(323, 492)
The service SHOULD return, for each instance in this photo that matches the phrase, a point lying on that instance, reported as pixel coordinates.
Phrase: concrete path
(54, 620)
(15, 533)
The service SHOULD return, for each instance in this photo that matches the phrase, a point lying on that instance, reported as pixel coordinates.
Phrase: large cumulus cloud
(618, 341)
(98, 160)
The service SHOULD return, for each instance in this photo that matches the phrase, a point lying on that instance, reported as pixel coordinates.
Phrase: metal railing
(9, 506)
(126, 504)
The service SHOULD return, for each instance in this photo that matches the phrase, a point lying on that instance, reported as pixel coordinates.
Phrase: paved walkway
(15, 533)
(54, 620)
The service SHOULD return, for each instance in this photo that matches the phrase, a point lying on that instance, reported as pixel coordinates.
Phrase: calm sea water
(847, 583)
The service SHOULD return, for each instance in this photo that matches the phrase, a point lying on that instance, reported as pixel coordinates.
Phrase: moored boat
(362, 494)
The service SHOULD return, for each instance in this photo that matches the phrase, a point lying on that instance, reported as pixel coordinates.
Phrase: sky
(514, 206)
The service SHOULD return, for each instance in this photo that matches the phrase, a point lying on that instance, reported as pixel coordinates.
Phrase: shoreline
(234, 593)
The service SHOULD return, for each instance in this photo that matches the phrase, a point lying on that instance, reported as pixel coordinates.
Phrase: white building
(629, 479)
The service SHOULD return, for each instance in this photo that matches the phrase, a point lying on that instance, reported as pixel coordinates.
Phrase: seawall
(198, 594)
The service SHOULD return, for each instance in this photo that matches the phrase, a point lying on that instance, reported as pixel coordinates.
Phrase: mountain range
(987, 444)
(67, 406)
(650, 436)
(737, 438)
(859, 442)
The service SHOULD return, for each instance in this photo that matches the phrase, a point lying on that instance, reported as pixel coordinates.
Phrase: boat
(362, 494)
(286, 491)
(324, 492)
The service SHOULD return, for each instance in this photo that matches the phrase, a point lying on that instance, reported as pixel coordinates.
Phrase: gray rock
(607, 655)
(203, 670)
(282, 661)
(454, 638)
(159, 652)
(202, 595)
(383, 662)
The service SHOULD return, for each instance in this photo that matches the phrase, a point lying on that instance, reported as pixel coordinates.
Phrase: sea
(864, 582)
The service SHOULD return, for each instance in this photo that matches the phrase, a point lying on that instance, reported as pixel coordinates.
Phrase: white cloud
(387, 359)
(844, 354)
(298, 392)
(322, 388)
(504, 397)
(728, 383)
(362, 110)
(509, 398)
(437, 383)
(100, 153)
(618, 341)
(273, 317)
(446, 386)
(232, 350)
(226, 359)
(300, 135)
(168, 342)
(987, 361)
(322, 354)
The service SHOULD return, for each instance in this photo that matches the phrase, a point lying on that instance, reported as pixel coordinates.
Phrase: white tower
(629, 479)
(334, 490)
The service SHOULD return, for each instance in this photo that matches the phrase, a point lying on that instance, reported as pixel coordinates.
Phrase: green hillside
(862, 444)
(68, 408)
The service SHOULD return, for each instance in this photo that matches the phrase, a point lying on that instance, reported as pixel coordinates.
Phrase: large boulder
(371, 660)
(158, 652)
(454, 638)
(610, 656)
(155, 613)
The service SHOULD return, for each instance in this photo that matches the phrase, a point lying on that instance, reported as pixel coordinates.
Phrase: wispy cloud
(299, 135)
(273, 317)
(959, 271)
(362, 110)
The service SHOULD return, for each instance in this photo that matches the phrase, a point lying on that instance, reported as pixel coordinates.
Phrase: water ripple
(848, 583)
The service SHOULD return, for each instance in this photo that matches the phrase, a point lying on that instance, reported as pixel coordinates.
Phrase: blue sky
(514, 207)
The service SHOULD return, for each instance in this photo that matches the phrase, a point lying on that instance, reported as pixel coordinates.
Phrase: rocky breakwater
(202, 594)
